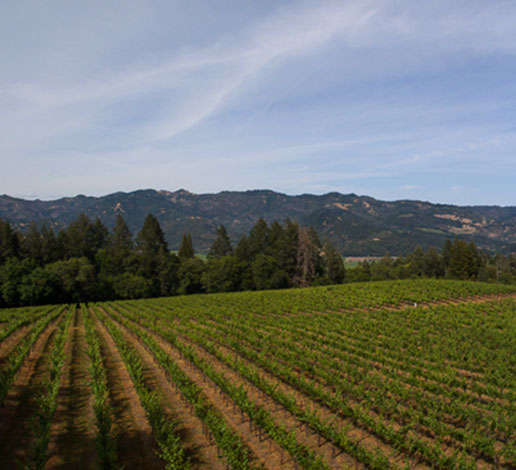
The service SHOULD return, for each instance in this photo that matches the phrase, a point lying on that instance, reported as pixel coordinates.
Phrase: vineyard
(394, 374)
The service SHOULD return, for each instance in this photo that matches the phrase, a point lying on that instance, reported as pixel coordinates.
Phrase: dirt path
(268, 452)
(134, 441)
(20, 407)
(72, 434)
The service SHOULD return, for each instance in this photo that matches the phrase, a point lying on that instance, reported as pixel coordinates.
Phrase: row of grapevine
(47, 401)
(101, 406)
(17, 355)
(417, 390)
(362, 417)
(164, 430)
(256, 413)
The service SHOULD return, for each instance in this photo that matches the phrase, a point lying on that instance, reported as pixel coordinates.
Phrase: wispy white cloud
(152, 114)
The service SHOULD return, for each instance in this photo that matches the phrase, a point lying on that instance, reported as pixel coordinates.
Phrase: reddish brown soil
(135, 445)
(304, 434)
(72, 434)
(268, 452)
(199, 446)
(20, 407)
(310, 438)
(449, 444)
(482, 399)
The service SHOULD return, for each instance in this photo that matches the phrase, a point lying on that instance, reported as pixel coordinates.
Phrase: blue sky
(393, 99)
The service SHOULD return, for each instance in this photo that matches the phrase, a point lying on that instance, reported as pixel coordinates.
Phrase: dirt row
(425, 434)
(330, 453)
(200, 447)
(72, 433)
(20, 406)
(432, 303)
(266, 451)
(377, 368)
(9, 343)
(134, 441)
(472, 375)
(484, 399)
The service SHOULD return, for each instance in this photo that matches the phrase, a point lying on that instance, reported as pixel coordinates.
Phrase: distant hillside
(358, 225)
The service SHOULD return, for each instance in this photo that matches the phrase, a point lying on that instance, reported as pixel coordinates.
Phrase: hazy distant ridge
(358, 225)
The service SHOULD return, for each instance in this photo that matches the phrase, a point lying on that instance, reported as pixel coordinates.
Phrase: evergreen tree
(118, 255)
(100, 234)
(446, 254)
(222, 244)
(121, 240)
(50, 250)
(417, 262)
(222, 274)
(286, 253)
(242, 251)
(275, 237)
(168, 277)
(335, 268)
(151, 244)
(186, 250)
(32, 244)
(9, 242)
(434, 266)
(267, 273)
(190, 274)
(83, 238)
(243, 257)
(151, 239)
(258, 238)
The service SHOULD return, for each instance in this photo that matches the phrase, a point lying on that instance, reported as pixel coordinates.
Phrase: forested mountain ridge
(357, 225)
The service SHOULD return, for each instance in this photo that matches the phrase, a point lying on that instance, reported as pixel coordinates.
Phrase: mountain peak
(357, 225)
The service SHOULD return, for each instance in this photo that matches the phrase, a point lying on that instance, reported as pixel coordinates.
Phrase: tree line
(85, 261)
(458, 259)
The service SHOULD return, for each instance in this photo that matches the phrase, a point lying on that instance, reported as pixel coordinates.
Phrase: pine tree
(121, 238)
(82, 237)
(151, 238)
(222, 244)
(50, 249)
(9, 242)
(32, 244)
(286, 253)
(186, 250)
(151, 243)
(446, 254)
(258, 238)
(335, 269)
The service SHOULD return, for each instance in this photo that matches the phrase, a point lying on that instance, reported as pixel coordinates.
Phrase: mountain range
(357, 225)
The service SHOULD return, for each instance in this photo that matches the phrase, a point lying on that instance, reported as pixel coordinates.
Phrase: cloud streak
(374, 85)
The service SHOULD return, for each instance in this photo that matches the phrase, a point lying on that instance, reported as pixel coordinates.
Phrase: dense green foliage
(86, 262)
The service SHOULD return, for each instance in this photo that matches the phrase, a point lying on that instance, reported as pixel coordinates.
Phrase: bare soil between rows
(134, 442)
(20, 407)
(267, 451)
(72, 434)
